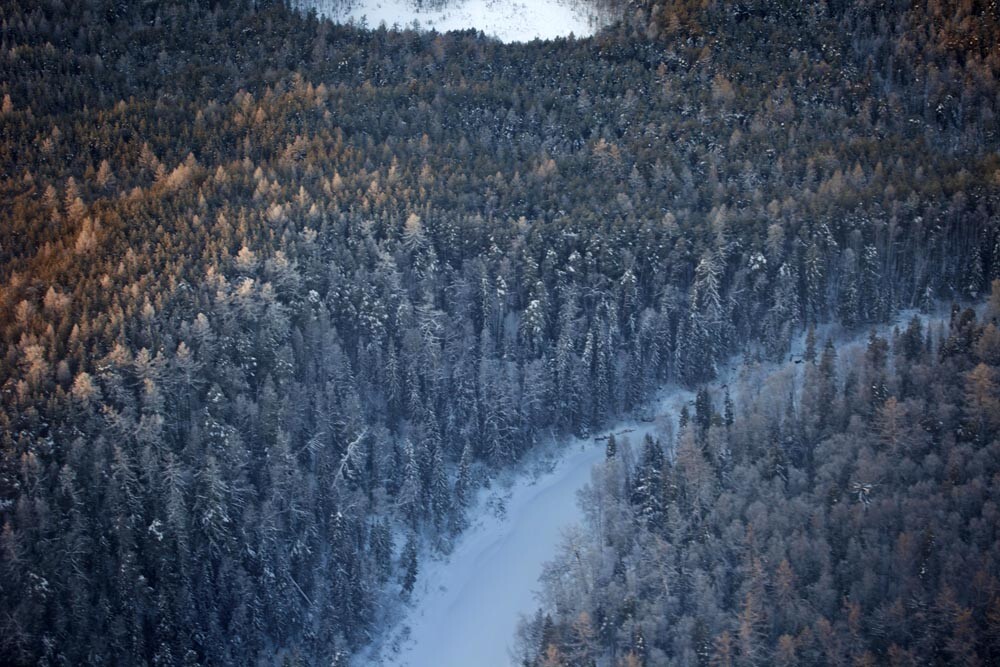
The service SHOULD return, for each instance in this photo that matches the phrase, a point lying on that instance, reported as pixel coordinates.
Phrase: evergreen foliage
(276, 295)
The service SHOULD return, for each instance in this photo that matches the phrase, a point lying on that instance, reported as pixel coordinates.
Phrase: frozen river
(467, 607)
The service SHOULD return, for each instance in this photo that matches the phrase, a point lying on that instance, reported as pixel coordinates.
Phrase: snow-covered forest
(839, 512)
(279, 297)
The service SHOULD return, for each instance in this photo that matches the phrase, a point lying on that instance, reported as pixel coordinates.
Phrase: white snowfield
(506, 20)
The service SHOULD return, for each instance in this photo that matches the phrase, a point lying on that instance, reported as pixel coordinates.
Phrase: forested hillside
(846, 515)
(276, 295)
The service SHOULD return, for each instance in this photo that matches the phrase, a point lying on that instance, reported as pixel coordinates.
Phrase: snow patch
(506, 20)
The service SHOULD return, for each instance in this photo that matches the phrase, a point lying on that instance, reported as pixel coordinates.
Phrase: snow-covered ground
(507, 20)
(466, 607)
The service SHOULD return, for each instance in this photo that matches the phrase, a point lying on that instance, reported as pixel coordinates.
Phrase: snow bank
(506, 20)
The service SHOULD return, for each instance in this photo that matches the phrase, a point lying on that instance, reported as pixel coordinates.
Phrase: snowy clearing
(506, 20)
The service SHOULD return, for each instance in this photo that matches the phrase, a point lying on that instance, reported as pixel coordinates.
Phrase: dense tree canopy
(276, 294)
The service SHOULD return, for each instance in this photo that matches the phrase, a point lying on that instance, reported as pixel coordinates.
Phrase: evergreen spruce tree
(611, 450)
(408, 566)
